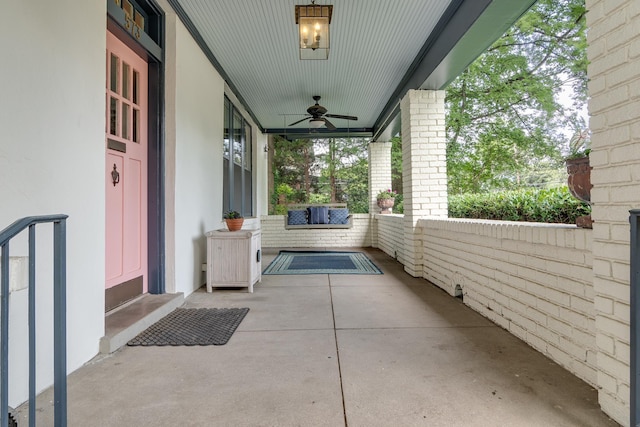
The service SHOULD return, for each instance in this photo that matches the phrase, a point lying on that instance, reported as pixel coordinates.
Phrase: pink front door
(126, 174)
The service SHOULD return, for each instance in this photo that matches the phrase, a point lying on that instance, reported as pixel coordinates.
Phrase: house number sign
(134, 20)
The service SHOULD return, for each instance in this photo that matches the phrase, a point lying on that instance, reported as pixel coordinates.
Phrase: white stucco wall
(199, 113)
(261, 167)
(194, 130)
(52, 116)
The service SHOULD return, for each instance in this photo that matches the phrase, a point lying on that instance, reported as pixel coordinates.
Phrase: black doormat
(321, 262)
(192, 326)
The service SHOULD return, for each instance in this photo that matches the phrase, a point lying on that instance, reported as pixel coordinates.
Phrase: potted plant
(234, 220)
(386, 199)
(579, 170)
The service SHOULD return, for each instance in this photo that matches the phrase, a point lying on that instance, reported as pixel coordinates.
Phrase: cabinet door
(230, 260)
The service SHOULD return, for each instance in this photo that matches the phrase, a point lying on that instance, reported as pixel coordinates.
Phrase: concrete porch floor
(334, 350)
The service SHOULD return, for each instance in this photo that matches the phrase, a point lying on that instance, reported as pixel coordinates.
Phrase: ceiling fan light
(316, 123)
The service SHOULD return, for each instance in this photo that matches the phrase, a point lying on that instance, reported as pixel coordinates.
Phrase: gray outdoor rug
(192, 326)
(321, 262)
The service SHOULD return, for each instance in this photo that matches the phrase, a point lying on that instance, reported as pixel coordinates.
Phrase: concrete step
(124, 323)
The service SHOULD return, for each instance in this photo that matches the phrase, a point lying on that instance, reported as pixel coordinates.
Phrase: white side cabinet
(233, 259)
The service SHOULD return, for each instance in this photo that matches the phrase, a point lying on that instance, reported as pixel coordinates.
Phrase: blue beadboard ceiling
(379, 50)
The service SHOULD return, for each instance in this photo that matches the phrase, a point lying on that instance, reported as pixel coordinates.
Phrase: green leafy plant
(553, 205)
(232, 215)
(284, 189)
(398, 206)
(386, 194)
(279, 210)
(579, 144)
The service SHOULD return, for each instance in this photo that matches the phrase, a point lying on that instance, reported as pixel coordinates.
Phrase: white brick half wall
(390, 237)
(274, 234)
(535, 280)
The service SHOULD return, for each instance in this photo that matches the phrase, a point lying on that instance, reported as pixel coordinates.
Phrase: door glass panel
(136, 125)
(125, 80)
(113, 116)
(136, 86)
(115, 68)
(125, 120)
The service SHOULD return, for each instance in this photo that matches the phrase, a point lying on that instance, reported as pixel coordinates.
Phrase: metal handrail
(59, 316)
(634, 283)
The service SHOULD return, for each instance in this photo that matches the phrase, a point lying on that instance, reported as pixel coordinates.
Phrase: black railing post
(4, 336)
(32, 325)
(634, 282)
(59, 322)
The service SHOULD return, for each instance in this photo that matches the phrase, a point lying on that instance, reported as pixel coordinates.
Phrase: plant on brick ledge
(579, 145)
(386, 194)
(385, 200)
(553, 205)
(579, 172)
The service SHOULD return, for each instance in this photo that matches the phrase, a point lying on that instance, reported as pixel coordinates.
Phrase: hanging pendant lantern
(313, 30)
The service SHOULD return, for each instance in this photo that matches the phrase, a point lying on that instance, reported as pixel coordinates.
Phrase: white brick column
(614, 106)
(424, 168)
(379, 171)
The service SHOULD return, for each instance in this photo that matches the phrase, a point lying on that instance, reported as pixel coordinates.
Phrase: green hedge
(555, 205)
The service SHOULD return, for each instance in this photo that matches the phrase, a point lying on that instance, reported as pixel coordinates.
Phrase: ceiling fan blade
(329, 125)
(299, 121)
(340, 116)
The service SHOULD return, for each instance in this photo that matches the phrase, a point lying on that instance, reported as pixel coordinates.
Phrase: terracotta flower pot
(579, 180)
(579, 183)
(234, 224)
(385, 205)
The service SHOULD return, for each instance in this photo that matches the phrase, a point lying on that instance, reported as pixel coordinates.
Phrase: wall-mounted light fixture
(313, 30)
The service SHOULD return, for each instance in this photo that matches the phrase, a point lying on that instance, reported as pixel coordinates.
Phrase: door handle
(115, 175)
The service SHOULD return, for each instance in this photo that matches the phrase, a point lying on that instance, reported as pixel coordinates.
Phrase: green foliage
(344, 174)
(579, 144)
(232, 215)
(280, 197)
(554, 205)
(285, 190)
(398, 206)
(386, 194)
(396, 163)
(279, 210)
(503, 116)
(322, 171)
(355, 179)
(319, 198)
(295, 163)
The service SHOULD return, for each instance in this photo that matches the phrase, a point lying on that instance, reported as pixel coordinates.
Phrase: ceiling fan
(318, 115)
